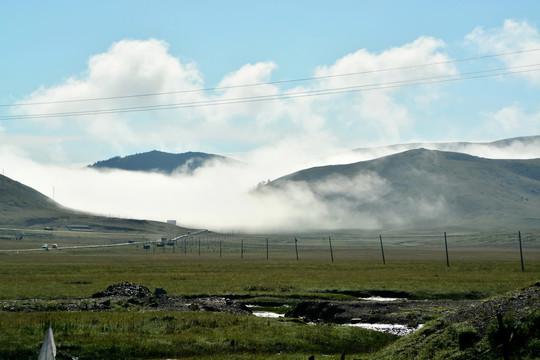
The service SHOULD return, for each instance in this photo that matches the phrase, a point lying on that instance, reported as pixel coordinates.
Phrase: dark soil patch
(404, 312)
(130, 296)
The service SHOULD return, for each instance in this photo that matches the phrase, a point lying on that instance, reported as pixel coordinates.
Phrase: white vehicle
(54, 246)
(45, 247)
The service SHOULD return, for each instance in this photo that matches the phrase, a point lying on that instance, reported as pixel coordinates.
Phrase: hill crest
(159, 161)
(422, 188)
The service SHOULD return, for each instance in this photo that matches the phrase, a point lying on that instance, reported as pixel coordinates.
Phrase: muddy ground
(129, 296)
(134, 296)
(403, 312)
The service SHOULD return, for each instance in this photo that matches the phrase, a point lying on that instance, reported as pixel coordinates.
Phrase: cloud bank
(144, 67)
(223, 197)
(512, 37)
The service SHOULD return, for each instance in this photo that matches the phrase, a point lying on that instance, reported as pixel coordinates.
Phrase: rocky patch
(124, 289)
(128, 296)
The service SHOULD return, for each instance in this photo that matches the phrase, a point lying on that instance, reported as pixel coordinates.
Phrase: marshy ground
(203, 310)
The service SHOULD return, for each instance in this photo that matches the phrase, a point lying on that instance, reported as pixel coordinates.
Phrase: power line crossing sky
(82, 81)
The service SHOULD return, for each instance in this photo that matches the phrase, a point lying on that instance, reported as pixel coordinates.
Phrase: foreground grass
(147, 335)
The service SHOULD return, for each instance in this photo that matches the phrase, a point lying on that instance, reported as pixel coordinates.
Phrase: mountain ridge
(159, 161)
(421, 186)
(452, 146)
(23, 206)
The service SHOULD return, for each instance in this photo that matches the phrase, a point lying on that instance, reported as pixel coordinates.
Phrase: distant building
(172, 222)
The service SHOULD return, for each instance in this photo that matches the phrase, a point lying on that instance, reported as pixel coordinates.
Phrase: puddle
(380, 298)
(395, 329)
(267, 314)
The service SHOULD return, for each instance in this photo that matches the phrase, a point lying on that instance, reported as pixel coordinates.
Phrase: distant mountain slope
(158, 161)
(22, 206)
(15, 196)
(424, 188)
(513, 148)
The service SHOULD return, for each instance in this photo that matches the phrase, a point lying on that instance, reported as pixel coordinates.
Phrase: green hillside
(430, 189)
(158, 161)
(22, 206)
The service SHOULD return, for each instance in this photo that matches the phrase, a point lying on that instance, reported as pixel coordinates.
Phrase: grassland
(481, 266)
(180, 335)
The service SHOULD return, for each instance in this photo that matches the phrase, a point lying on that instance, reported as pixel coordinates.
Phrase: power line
(282, 96)
(269, 83)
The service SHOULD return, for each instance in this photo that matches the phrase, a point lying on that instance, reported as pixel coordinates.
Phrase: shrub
(467, 337)
(519, 338)
(533, 348)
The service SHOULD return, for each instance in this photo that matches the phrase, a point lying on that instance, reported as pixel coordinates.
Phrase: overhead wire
(286, 95)
(281, 96)
(269, 83)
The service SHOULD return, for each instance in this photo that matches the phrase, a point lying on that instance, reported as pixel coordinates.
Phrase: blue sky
(48, 47)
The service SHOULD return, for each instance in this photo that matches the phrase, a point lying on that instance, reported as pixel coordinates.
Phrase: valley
(451, 268)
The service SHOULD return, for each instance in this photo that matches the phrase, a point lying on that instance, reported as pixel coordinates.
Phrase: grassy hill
(22, 206)
(429, 189)
(158, 161)
(477, 332)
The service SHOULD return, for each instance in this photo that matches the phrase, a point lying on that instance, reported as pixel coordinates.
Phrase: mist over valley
(409, 188)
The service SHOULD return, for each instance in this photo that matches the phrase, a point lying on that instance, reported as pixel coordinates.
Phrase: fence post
(242, 250)
(331, 251)
(266, 248)
(296, 247)
(521, 251)
(219, 247)
(503, 334)
(382, 250)
(199, 246)
(446, 247)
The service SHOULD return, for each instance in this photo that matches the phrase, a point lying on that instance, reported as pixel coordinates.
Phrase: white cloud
(511, 37)
(386, 112)
(249, 74)
(395, 64)
(513, 121)
(141, 67)
(128, 67)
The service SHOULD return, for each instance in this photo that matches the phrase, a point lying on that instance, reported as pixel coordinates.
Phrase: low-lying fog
(221, 196)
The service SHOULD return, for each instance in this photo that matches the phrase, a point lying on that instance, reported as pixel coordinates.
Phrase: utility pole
(446, 247)
(382, 250)
(521, 252)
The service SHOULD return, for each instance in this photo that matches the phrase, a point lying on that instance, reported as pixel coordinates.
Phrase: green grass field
(481, 265)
